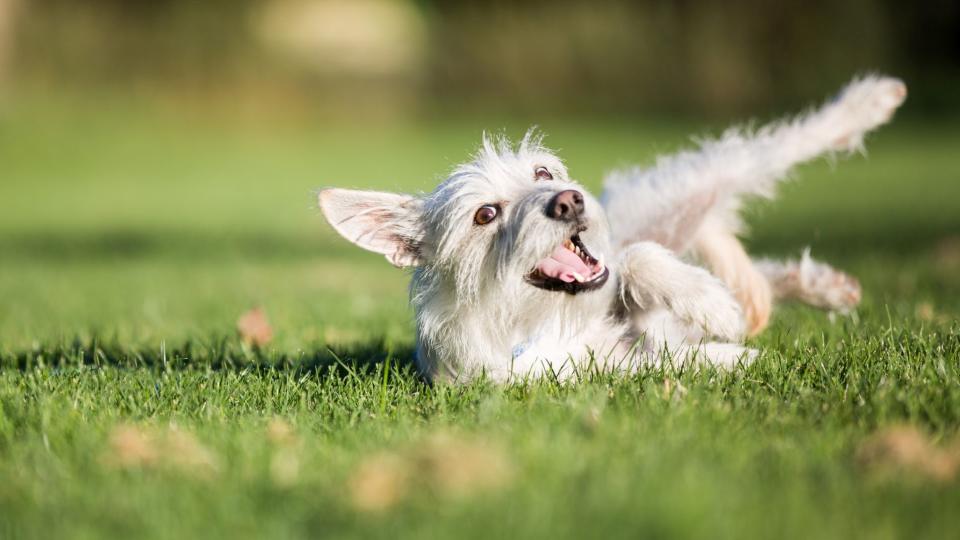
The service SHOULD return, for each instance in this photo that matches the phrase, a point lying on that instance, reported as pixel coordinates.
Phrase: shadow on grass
(224, 354)
(135, 244)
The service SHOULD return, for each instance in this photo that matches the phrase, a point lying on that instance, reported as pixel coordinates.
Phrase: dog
(518, 272)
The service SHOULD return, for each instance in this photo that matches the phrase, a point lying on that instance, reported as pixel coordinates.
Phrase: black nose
(566, 205)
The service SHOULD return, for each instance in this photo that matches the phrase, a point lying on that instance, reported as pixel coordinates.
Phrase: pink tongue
(562, 264)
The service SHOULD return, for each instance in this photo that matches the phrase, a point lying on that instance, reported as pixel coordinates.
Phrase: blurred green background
(427, 58)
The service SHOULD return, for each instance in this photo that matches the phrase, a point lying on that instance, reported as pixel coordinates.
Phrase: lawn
(131, 240)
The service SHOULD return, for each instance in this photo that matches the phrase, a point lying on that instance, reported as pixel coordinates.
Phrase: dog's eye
(542, 174)
(486, 214)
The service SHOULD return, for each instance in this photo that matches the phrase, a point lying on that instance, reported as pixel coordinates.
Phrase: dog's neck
(456, 336)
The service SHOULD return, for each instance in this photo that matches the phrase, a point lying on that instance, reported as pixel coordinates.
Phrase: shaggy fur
(478, 310)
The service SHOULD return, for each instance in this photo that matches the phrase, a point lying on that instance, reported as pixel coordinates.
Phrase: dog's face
(509, 223)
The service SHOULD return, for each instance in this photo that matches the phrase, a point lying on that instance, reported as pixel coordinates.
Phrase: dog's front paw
(709, 304)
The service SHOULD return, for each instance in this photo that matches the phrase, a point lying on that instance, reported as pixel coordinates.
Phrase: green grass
(130, 242)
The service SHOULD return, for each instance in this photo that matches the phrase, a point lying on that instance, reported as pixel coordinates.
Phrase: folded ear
(385, 223)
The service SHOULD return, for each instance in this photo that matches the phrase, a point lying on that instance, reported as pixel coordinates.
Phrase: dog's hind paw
(826, 287)
(866, 104)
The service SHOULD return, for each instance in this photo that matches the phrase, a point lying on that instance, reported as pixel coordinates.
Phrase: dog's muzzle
(570, 268)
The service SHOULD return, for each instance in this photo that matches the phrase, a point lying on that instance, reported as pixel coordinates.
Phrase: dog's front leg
(652, 276)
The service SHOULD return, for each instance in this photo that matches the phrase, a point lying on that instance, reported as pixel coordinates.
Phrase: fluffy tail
(669, 202)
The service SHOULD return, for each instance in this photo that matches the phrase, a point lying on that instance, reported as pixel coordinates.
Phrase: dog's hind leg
(669, 202)
(757, 284)
(811, 282)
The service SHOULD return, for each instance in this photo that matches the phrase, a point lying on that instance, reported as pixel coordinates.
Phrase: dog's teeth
(601, 266)
(578, 277)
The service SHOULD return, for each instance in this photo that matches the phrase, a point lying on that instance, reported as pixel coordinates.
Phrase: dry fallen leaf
(185, 452)
(379, 482)
(461, 467)
(130, 447)
(280, 432)
(948, 253)
(133, 447)
(285, 467)
(254, 328)
(441, 464)
(285, 462)
(905, 449)
(925, 311)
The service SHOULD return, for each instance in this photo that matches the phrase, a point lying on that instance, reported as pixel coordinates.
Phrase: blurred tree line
(601, 56)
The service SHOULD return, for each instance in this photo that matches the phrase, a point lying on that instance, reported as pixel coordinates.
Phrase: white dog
(519, 272)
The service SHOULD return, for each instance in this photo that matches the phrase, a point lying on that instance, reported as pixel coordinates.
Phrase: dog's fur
(477, 311)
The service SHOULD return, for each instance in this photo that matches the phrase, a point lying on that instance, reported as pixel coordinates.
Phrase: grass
(130, 242)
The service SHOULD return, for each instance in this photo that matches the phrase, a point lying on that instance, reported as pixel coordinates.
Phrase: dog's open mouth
(570, 268)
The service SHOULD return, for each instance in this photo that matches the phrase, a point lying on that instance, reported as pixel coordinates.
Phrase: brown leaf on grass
(906, 450)
(947, 254)
(254, 328)
(925, 311)
(134, 447)
(280, 432)
(379, 482)
(130, 447)
(285, 467)
(183, 451)
(285, 461)
(441, 465)
(460, 467)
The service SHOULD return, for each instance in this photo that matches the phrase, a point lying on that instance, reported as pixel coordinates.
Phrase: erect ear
(385, 223)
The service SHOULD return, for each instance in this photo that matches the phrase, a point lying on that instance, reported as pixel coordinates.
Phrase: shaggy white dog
(519, 272)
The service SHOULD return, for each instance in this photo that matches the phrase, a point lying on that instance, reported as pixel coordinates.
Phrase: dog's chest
(553, 350)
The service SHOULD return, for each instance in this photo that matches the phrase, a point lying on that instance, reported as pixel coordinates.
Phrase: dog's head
(511, 222)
